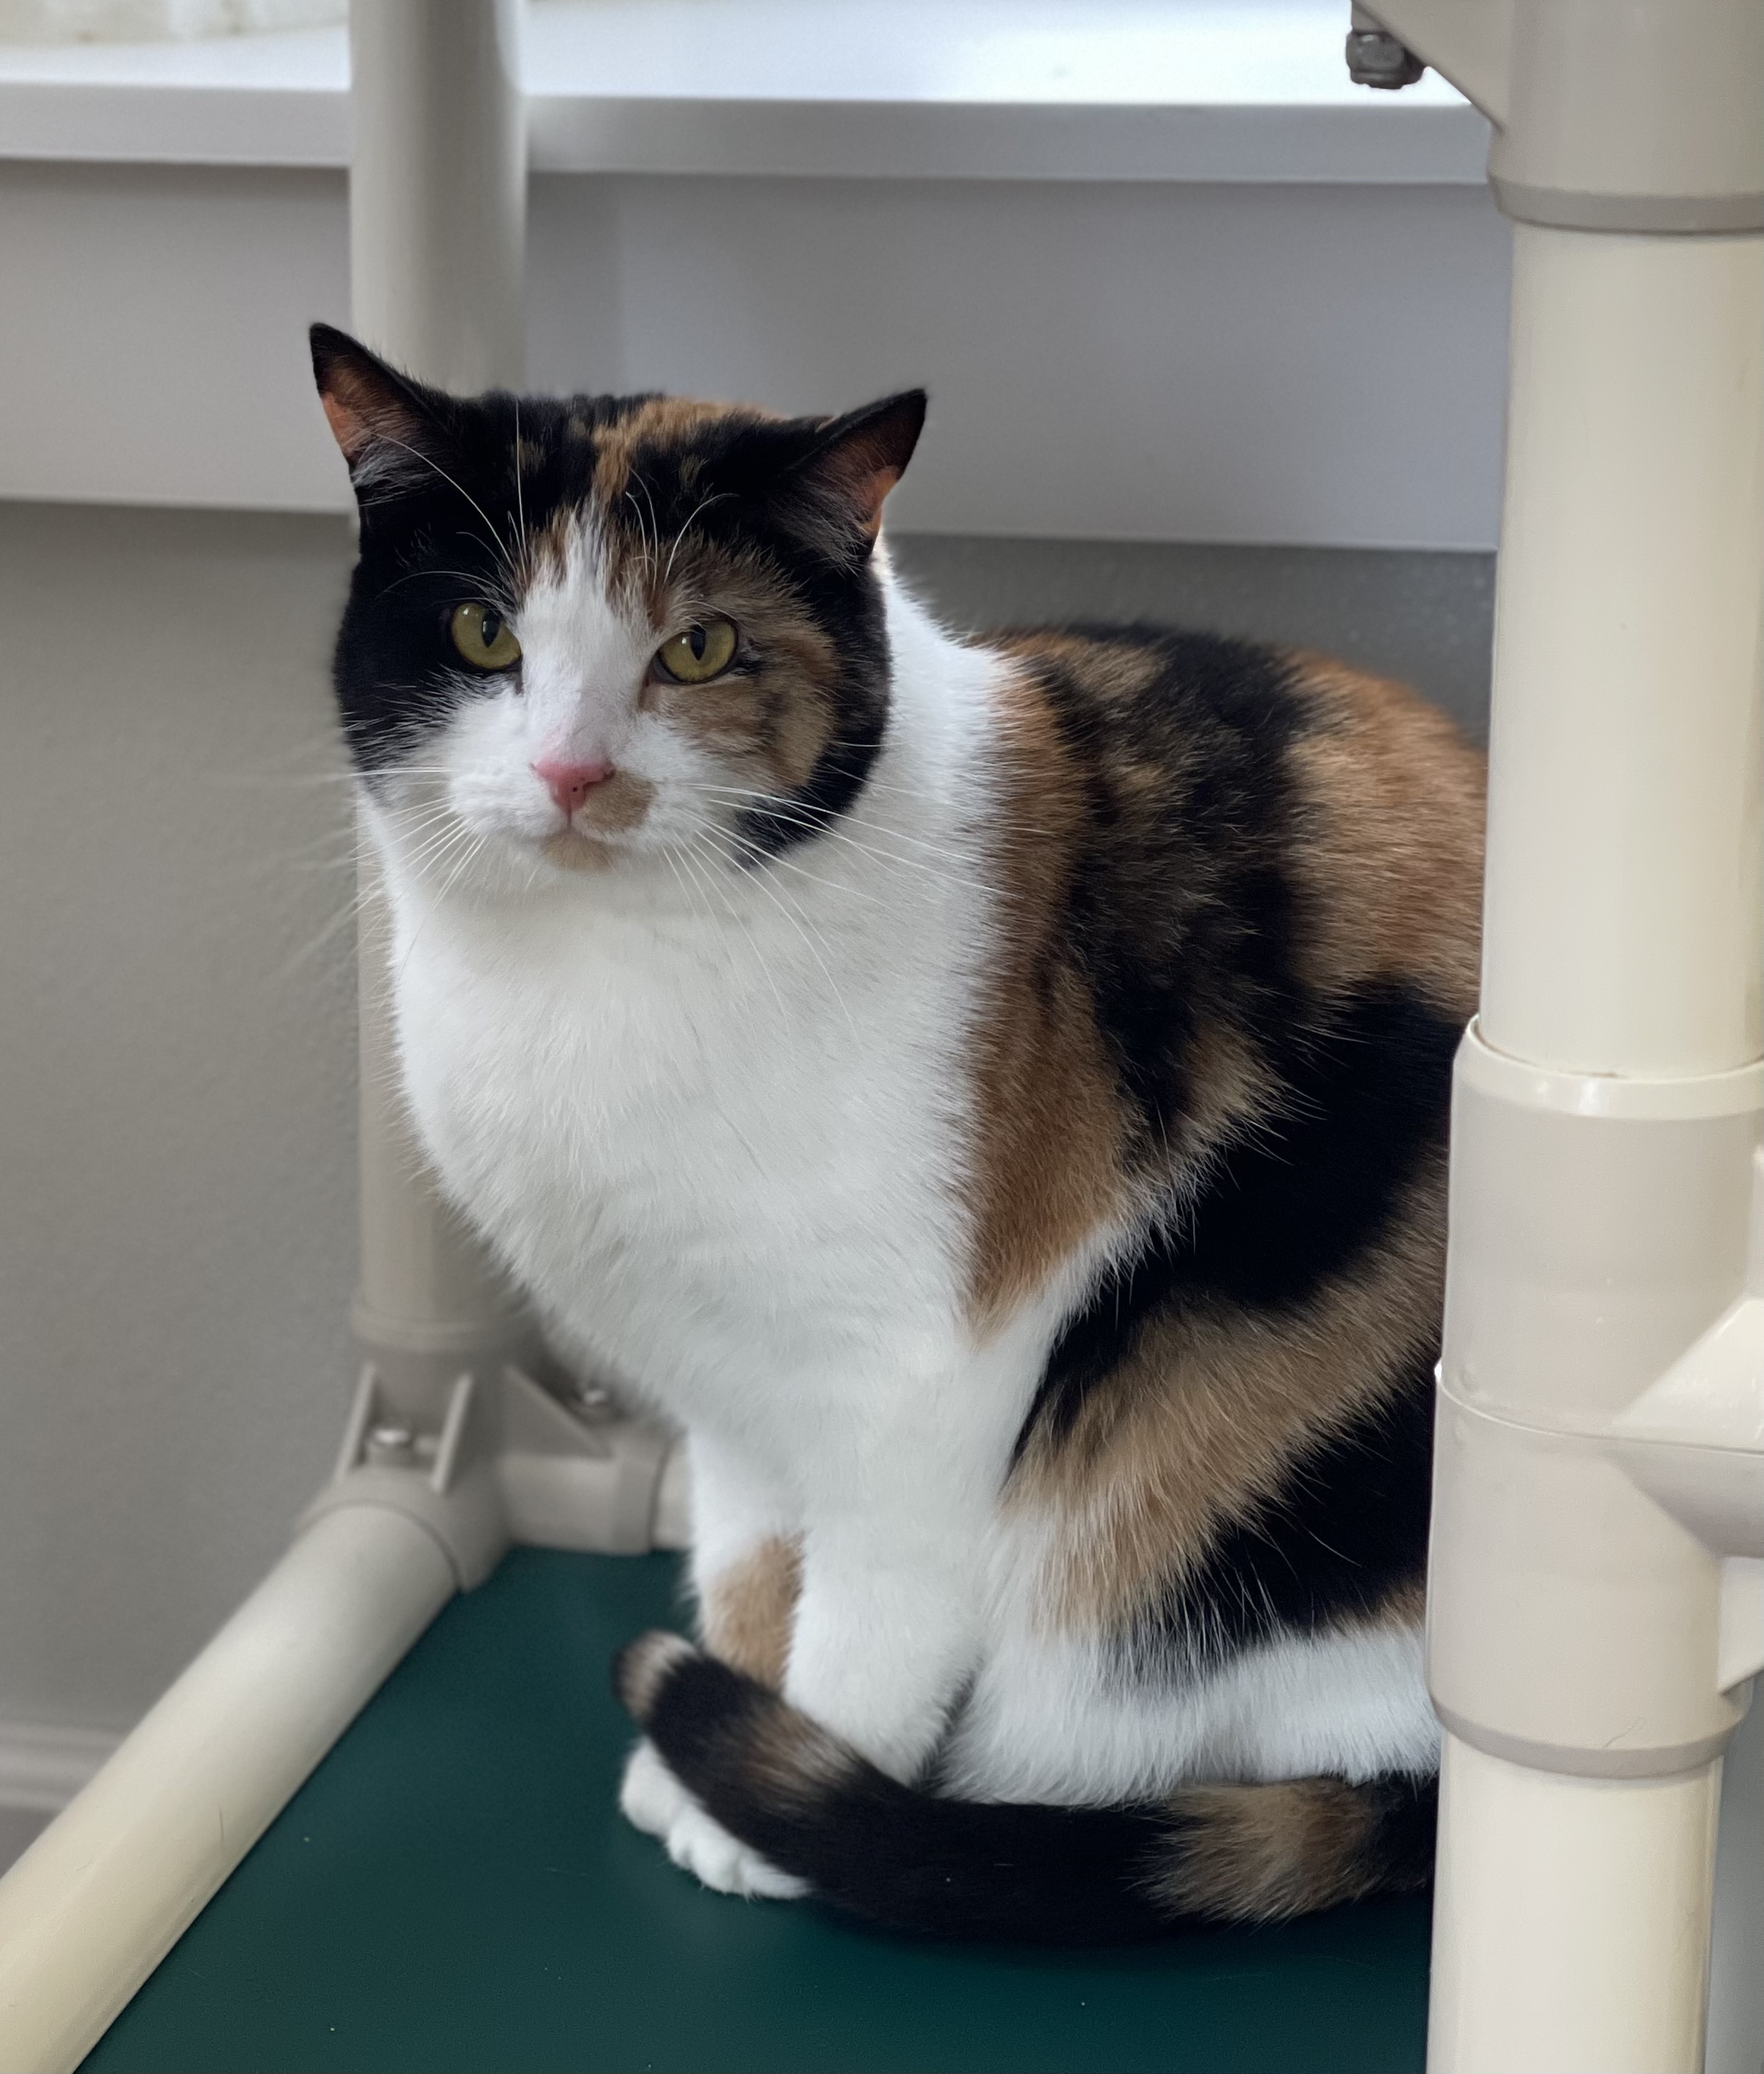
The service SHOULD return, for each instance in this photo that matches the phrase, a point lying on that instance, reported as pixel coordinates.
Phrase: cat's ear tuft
(857, 459)
(382, 419)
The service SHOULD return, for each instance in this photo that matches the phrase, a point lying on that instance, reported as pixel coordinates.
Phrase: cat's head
(605, 627)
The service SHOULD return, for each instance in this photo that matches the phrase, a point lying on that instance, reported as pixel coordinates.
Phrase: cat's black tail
(909, 1860)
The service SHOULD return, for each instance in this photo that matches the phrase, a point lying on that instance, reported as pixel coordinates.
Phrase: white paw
(699, 1845)
(650, 1797)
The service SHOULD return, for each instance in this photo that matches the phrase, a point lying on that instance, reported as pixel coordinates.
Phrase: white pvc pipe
(1609, 1877)
(438, 188)
(1624, 951)
(1625, 872)
(101, 1896)
(437, 254)
(437, 216)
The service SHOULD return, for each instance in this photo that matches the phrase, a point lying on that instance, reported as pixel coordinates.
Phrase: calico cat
(991, 1092)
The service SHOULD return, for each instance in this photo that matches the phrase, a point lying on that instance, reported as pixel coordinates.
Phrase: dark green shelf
(454, 1889)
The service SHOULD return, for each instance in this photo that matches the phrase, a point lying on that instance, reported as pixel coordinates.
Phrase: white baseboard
(42, 1767)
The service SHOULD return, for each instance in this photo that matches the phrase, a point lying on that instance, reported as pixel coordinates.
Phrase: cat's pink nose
(570, 783)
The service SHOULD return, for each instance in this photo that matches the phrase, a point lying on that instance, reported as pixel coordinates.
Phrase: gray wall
(176, 1027)
(176, 1230)
(1427, 618)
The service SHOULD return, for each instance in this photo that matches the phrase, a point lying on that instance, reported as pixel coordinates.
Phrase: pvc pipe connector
(484, 1456)
(1595, 1315)
(1639, 118)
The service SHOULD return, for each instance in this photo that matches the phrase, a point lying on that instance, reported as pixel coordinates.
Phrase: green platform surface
(453, 1889)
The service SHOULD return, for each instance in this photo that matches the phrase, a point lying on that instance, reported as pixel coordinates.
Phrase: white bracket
(487, 1457)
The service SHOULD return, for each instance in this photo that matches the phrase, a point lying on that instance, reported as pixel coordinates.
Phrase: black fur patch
(892, 1854)
(1179, 909)
(1368, 1099)
(1403, 1846)
(1347, 1525)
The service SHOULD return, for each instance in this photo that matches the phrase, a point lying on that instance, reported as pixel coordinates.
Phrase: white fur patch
(1046, 1721)
(650, 1797)
(701, 1846)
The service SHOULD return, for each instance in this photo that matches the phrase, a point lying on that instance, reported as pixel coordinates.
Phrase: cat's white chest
(714, 1157)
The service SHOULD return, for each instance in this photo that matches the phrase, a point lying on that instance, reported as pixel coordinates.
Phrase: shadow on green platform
(453, 1890)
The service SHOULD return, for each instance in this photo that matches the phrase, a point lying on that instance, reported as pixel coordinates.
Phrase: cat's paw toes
(650, 1797)
(701, 1846)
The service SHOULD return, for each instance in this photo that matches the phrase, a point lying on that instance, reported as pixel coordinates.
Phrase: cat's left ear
(385, 424)
(855, 461)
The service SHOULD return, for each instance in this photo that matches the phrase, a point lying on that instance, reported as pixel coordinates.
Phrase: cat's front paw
(653, 1800)
(650, 1797)
(699, 1845)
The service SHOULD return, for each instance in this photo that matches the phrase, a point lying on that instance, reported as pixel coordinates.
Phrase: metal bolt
(1375, 58)
(390, 1443)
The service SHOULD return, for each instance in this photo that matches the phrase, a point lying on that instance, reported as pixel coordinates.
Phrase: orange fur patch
(1257, 1853)
(773, 726)
(621, 802)
(1391, 858)
(750, 1609)
(662, 421)
(1048, 1126)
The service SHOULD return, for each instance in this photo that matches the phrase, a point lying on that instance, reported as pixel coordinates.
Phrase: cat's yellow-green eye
(702, 652)
(481, 636)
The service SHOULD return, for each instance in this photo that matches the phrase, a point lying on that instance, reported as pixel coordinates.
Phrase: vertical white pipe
(1625, 872)
(1624, 938)
(437, 201)
(1736, 2035)
(437, 249)
(1614, 1899)
(438, 188)
(107, 1890)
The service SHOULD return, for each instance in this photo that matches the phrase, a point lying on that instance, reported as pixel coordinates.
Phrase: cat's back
(1201, 780)
(1212, 854)
(1267, 817)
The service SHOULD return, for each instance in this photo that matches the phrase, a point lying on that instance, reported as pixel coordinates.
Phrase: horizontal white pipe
(101, 1896)
(1571, 1920)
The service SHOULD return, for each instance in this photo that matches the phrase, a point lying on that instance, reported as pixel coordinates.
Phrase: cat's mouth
(578, 849)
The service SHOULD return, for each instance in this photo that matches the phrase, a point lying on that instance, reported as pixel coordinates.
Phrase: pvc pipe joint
(1642, 117)
(1577, 1623)
(1595, 1601)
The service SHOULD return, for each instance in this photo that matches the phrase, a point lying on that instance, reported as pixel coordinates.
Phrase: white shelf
(1153, 90)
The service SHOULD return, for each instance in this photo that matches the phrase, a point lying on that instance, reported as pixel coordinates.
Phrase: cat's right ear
(385, 424)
